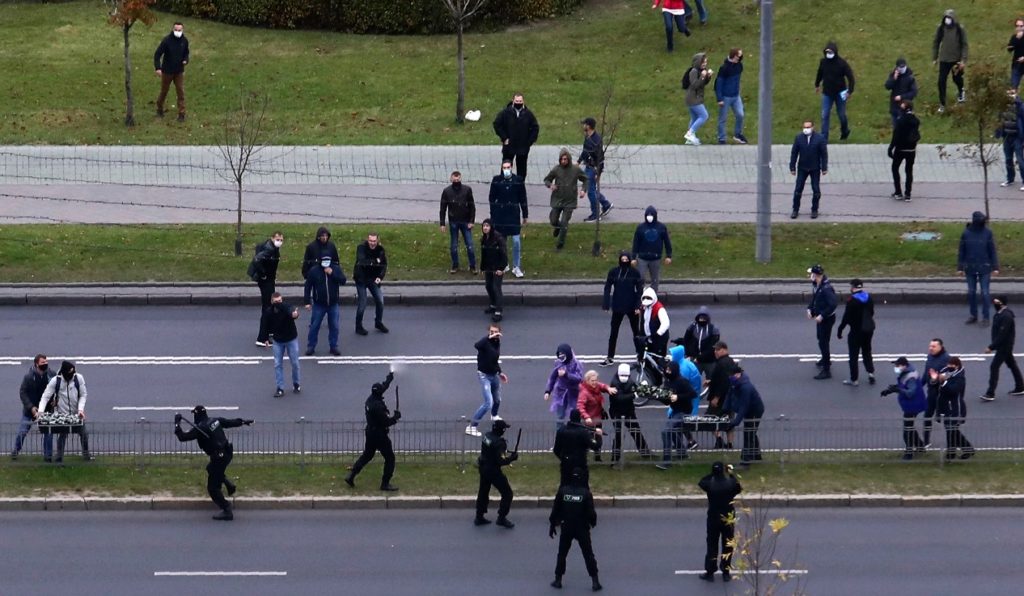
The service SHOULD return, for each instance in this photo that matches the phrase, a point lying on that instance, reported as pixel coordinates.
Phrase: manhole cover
(922, 236)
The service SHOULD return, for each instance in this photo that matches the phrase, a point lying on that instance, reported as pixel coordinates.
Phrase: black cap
(1001, 298)
(901, 61)
(500, 425)
(816, 269)
(856, 284)
(736, 368)
(199, 410)
(718, 468)
(901, 361)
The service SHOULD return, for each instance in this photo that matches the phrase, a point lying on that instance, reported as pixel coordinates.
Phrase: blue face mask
(506, 173)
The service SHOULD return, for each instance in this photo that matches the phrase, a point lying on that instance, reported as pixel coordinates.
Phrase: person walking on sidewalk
(1016, 49)
(935, 361)
(573, 511)
(952, 385)
(508, 201)
(488, 370)
(859, 315)
(694, 81)
(808, 159)
(494, 455)
(902, 87)
(622, 290)
(903, 148)
(835, 83)
(592, 160)
(457, 202)
(379, 421)
(1004, 333)
(68, 393)
(977, 261)
(672, 11)
(320, 247)
(322, 296)
(722, 488)
(909, 388)
(493, 261)
(518, 130)
(281, 325)
(727, 92)
(650, 240)
(622, 413)
(1011, 130)
(822, 310)
(263, 271)
(33, 384)
(370, 269)
(563, 388)
(169, 61)
(564, 180)
(949, 50)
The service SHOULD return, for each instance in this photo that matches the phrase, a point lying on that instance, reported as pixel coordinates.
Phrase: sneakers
(496, 317)
(1006, 183)
(906, 198)
(722, 142)
(310, 352)
(14, 455)
(971, 320)
(606, 362)
(851, 382)
(896, 196)
(871, 379)
(942, 109)
(987, 397)
(335, 352)
(181, 117)
(961, 97)
(1022, 188)
(472, 431)
(824, 374)
(279, 392)
(691, 139)
(814, 214)
(795, 214)
(845, 135)
(506, 268)
(489, 310)
(985, 323)
(517, 272)
(481, 521)
(453, 271)
(742, 140)
(662, 466)
(474, 271)
(495, 418)
(503, 522)
(590, 218)
(554, 231)
(1017, 392)
(708, 577)
(225, 515)
(380, 327)
(361, 330)
(388, 487)
(296, 388)
(605, 210)
(691, 445)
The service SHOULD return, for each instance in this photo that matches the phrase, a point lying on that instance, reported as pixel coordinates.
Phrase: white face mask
(808, 131)
(649, 218)
(179, 33)
(647, 301)
(278, 243)
(948, 21)
(898, 370)
(506, 173)
(829, 55)
(902, 69)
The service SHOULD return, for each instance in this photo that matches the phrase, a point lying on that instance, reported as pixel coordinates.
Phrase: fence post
(302, 442)
(141, 452)
(462, 449)
(782, 445)
(620, 432)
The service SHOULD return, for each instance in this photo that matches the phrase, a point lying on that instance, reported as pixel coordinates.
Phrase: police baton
(201, 431)
(519, 437)
(397, 408)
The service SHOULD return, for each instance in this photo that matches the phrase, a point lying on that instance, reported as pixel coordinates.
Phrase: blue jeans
(517, 249)
(680, 23)
(702, 13)
(378, 303)
(672, 438)
(698, 116)
(490, 386)
(1012, 147)
(1015, 76)
(293, 356)
(454, 229)
(333, 314)
(736, 105)
(826, 112)
(593, 194)
(973, 280)
(23, 428)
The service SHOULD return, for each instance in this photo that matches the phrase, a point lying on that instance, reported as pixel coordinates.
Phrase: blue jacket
(977, 252)
(687, 369)
(824, 300)
(809, 154)
(322, 289)
(650, 239)
(743, 401)
(508, 198)
(911, 392)
(727, 83)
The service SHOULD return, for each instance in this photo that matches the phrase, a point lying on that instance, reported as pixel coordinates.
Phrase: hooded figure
(977, 260)
(835, 82)
(572, 442)
(746, 406)
(681, 399)
(320, 247)
(722, 490)
(902, 87)
(689, 371)
(564, 382)
(564, 181)
(1004, 333)
(622, 412)
(700, 339)
(622, 289)
(695, 91)
(655, 322)
(494, 455)
(952, 408)
(650, 241)
(949, 49)
(860, 317)
(208, 433)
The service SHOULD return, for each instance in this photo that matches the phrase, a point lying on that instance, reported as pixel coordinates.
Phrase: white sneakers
(472, 431)
(691, 139)
(517, 272)
(495, 418)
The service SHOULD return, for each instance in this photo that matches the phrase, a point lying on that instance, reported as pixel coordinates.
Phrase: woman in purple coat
(564, 383)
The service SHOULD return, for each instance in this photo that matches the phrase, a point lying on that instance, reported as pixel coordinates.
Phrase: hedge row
(365, 16)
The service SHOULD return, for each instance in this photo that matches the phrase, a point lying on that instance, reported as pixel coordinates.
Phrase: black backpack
(253, 272)
(686, 78)
(51, 406)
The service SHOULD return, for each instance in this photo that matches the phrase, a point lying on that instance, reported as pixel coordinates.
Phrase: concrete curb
(407, 502)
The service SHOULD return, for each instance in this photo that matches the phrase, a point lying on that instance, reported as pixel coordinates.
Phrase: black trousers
(930, 410)
(520, 159)
(629, 421)
(613, 337)
(798, 190)
(582, 536)
(751, 443)
(492, 282)
(489, 477)
(63, 438)
(860, 344)
(266, 289)
(824, 329)
(899, 157)
(719, 533)
(911, 439)
(216, 476)
(1003, 357)
(958, 79)
(954, 438)
(566, 467)
(377, 441)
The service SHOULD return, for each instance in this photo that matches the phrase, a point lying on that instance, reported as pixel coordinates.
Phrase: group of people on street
(46, 393)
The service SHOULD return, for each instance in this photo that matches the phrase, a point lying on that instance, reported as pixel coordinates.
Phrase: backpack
(686, 78)
(253, 271)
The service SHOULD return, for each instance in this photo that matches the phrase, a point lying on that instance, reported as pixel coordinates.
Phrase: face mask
(647, 301)
(563, 358)
(278, 243)
(517, 106)
(279, 303)
(948, 21)
(69, 375)
(1013, 96)
(702, 321)
(829, 55)
(506, 172)
(898, 370)
(808, 131)
(43, 367)
(623, 263)
(649, 218)
(902, 69)
(325, 263)
(456, 184)
(179, 33)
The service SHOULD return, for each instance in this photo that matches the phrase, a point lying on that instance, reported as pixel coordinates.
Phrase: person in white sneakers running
(488, 368)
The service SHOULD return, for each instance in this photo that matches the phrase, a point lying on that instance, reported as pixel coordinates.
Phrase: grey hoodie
(695, 94)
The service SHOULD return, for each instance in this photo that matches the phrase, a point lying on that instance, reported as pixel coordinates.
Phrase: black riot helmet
(498, 427)
(377, 390)
(199, 414)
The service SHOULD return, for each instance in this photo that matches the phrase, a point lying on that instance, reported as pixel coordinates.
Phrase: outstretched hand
(248, 422)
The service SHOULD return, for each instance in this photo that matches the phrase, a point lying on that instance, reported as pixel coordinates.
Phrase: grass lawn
(196, 252)
(880, 474)
(63, 72)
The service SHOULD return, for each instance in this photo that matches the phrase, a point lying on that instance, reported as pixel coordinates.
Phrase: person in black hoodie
(263, 271)
(169, 61)
(319, 248)
(457, 202)
(209, 434)
(1004, 331)
(507, 198)
(572, 443)
(493, 260)
(699, 341)
(622, 412)
(860, 317)
(835, 83)
(903, 148)
(977, 261)
(680, 404)
(378, 422)
(722, 488)
(322, 297)
(902, 87)
(573, 511)
(952, 384)
(822, 310)
(31, 392)
(518, 130)
(371, 267)
(622, 289)
(650, 240)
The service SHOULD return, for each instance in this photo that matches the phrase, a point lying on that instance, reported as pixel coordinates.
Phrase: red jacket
(591, 400)
(671, 4)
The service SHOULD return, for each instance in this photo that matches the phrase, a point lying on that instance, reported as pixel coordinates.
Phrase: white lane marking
(10, 362)
(219, 573)
(749, 572)
(167, 408)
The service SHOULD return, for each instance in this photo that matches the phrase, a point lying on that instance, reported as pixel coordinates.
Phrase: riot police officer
(209, 434)
(573, 510)
(378, 421)
(721, 488)
(494, 455)
(572, 442)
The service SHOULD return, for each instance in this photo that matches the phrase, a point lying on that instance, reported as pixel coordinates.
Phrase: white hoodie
(69, 399)
(650, 300)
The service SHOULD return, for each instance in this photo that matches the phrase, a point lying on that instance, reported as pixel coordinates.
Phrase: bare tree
(461, 12)
(124, 14)
(608, 123)
(240, 142)
(986, 100)
(757, 557)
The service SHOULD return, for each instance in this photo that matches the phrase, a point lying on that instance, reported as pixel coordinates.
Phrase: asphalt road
(847, 551)
(165, 357)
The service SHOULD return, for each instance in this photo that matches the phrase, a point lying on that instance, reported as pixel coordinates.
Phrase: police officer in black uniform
(493, 456)
(209, 434)
(572, 442)
(574, 511)
(378, 421)
(721, 488)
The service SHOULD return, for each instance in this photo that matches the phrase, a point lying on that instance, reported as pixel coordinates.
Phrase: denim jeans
(672, 438)
(736, 105)
(1015, 76)
(490, 388)
(517, 249)
(680, 23)
(23, 428)
(594, 194)
(698, 116)
(454, 229)
(293, 356)
(1013, 148)
(333, 314)
(826, 113)
(973, 280)
(702, 13)
(378, 302)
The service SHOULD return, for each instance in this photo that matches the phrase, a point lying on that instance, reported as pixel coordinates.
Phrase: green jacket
(565, 194)
(950, 43)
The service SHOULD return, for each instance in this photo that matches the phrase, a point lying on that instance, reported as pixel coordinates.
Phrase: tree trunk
(460, 104)
(238, 225)
(129, 115)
